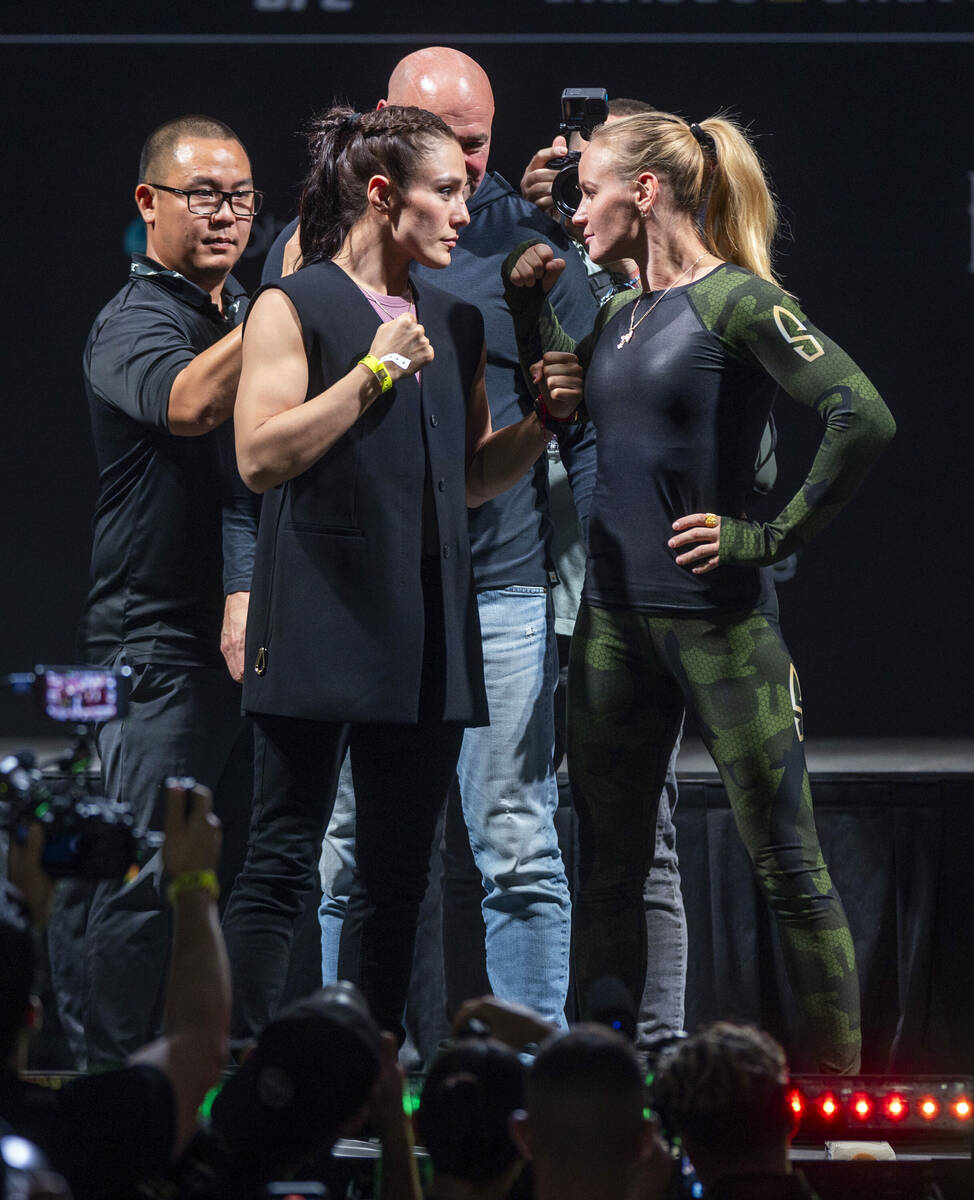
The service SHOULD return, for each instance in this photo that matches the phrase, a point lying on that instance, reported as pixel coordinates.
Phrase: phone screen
(81, 694)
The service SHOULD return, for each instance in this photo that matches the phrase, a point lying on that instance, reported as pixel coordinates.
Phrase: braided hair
(347, 148)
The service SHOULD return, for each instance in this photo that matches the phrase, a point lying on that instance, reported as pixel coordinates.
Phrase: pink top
(387, 308)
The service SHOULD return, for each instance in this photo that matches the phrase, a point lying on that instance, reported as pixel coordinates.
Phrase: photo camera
(85, 836)
(582, 111)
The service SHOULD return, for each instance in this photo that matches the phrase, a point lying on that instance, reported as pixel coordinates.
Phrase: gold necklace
(634, 324)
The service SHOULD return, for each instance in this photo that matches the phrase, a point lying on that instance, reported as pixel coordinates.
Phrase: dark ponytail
(346, 149)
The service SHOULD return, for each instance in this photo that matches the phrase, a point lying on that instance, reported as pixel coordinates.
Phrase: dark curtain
(899, 850)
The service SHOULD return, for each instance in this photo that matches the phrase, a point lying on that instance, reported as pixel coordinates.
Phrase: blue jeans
(337, 870)
(509, 794)
(661, 1010)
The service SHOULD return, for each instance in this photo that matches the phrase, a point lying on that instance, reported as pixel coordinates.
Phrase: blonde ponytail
(741, 216)
(711, 169)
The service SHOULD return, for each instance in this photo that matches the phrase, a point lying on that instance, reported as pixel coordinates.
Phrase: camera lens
(566, 195)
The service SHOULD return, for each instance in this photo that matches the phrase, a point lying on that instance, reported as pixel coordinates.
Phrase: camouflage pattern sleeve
(536, 324)
(757, 321)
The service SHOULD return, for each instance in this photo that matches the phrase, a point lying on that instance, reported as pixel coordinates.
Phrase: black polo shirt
(155, 589)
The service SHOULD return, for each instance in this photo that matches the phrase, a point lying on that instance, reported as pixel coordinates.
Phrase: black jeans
(401, 775)
(464, 956)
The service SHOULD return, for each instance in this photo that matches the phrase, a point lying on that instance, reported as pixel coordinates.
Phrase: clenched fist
(406, 338)
(537, 262)
(562, 383)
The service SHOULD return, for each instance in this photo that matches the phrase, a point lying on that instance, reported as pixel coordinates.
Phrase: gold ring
(711, 520)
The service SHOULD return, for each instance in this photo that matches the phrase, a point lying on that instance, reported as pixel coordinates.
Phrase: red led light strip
(925, 1106)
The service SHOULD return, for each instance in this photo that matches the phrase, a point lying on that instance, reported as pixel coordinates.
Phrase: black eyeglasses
(207, 202)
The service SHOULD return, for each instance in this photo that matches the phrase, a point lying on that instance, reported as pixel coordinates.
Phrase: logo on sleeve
(805, 345)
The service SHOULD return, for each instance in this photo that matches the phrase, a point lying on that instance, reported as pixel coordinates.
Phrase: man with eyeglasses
(161, 368)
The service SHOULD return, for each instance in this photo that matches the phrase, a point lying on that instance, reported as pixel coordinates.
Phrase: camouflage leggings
(631, 675)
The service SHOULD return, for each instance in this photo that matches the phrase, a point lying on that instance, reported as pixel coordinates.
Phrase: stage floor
(930, 758)
(927, 757)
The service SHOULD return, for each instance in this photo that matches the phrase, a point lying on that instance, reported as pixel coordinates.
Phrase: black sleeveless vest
(335, 628)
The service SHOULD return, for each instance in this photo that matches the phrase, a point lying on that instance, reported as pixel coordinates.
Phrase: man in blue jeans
(506, 771)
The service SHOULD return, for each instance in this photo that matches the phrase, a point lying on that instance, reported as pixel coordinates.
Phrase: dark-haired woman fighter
(362, 415)
(679, 381)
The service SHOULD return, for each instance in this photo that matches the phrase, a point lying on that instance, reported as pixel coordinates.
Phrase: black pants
(401, 775)
(464, 957)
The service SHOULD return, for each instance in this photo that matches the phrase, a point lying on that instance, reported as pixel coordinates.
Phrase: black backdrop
(868, 143)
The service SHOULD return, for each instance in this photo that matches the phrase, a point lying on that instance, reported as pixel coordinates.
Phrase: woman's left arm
(497, 460)
(816, 372)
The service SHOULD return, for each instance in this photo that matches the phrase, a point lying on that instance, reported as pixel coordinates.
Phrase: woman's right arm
(278, 434)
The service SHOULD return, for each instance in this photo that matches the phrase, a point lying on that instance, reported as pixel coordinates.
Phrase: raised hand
(405, 338)
(513, 1024)
(537, 262)
(537, 178)
(562, 383)
(193, 832)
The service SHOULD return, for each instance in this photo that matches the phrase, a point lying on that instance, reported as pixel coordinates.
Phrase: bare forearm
(400, 1176)
(503, 457)
(198, 994)
(203, 393)
(192, 1049)
(289, 442)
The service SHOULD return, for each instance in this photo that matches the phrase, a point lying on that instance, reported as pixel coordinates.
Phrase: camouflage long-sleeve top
(679, 409)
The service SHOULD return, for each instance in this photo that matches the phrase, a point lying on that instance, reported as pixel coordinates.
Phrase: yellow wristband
(193, 881)
(378, 369)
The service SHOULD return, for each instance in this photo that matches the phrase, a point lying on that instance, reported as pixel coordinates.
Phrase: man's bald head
(450, 84)
(447, 82)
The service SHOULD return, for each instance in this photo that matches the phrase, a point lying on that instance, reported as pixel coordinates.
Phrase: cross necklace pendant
(633, 323)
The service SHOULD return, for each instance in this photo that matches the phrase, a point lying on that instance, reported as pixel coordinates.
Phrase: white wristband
(400, 361)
